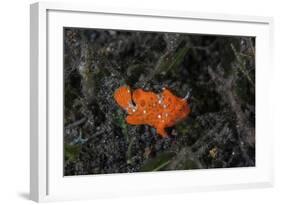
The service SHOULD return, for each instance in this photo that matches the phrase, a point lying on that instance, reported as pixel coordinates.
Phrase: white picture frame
(47, 182)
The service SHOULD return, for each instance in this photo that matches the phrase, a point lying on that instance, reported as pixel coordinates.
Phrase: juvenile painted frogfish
(159, 110)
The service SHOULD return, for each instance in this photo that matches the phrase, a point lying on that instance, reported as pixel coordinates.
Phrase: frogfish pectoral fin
(161, 131)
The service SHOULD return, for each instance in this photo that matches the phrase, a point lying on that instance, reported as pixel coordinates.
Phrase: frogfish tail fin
(123, 97)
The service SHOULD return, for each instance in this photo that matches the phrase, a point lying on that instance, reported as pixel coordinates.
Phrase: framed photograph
(129, 101)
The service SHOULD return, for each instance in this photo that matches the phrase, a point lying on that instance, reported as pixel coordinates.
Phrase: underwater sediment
(219, 131)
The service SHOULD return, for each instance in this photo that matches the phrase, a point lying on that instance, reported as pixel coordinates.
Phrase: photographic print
(139, 101)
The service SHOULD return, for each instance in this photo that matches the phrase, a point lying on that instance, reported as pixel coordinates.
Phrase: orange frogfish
(157, 110)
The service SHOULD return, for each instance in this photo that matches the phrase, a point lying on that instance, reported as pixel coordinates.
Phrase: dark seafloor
(218, 70)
